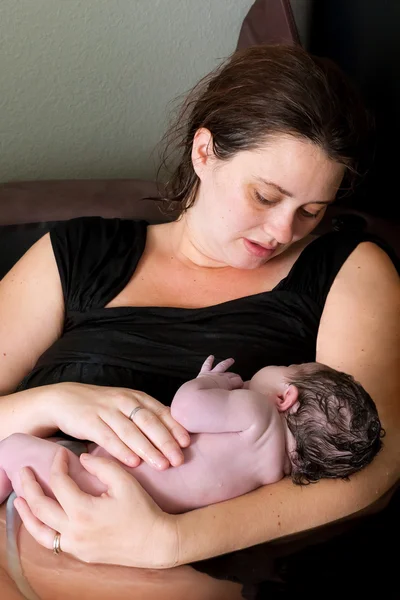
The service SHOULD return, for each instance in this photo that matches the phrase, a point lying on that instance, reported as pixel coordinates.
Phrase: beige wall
(85, 84)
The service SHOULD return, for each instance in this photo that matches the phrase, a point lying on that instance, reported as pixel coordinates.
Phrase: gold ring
(56, 543)
(133, 413)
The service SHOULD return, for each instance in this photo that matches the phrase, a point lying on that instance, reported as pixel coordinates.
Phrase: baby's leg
(22, 450)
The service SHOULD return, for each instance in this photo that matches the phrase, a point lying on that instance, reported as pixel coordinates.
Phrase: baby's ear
(288, 398)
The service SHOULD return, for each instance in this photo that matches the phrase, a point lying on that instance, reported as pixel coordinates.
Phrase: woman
(267, 143)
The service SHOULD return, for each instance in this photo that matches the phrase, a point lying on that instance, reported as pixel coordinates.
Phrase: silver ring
(133, 413)
(56, 543)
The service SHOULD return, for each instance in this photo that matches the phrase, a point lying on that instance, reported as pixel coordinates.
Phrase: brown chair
(268, 22)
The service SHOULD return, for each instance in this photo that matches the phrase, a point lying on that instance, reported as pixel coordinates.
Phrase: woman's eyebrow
(289, 194)
(276, 186)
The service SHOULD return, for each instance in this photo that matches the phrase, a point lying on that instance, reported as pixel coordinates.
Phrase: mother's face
(252, 207)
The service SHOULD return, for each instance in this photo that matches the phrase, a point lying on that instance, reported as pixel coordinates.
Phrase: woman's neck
(185, 245)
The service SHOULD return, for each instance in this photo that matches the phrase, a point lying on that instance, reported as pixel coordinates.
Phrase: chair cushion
(29, 209)
(39, 201)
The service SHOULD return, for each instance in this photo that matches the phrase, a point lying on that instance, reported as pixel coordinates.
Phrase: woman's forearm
(27, 412)
(276, 511)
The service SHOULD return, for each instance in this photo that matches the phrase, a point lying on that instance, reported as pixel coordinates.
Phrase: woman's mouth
(261, 251)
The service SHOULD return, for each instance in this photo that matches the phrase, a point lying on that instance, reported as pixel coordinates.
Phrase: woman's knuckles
(83, 519)
(120, 397)
(109, 440)
(146, 418)
(163, 412)
(39, 509)
(171, 448)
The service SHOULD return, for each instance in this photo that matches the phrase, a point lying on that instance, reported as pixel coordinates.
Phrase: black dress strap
(318, 265)
(96, 258)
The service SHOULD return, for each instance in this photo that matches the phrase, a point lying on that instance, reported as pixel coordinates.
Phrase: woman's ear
(288, 398)
(202, 150)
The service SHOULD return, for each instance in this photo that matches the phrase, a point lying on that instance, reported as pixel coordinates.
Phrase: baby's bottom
(22, 450)
(61, 577)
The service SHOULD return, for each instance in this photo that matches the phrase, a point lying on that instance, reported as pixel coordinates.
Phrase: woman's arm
(359, 333)
(31, 320)
(31, 313)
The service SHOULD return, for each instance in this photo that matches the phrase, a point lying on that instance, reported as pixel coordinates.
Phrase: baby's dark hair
(336, 426)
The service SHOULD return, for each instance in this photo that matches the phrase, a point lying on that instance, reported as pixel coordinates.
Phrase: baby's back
(217, 466)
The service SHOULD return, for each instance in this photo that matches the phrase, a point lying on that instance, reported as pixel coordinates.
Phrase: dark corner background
(363, 37)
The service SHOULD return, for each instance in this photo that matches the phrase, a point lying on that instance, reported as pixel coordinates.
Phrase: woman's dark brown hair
(256, 94)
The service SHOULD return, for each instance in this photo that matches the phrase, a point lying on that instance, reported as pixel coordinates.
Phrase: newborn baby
(308, 421)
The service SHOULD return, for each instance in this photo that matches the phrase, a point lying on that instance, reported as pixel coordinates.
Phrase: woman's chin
(247, 263)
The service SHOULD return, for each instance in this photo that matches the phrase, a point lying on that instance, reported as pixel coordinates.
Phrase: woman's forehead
(292, 167)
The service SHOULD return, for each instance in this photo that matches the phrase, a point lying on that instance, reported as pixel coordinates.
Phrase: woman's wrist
(166, 555)
(191, 544)
(46, 411)
(162, 552)
(28, 411)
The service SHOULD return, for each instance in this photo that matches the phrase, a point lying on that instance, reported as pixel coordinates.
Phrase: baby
(308, 421)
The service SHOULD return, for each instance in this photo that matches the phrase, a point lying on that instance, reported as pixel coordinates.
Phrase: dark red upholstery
(268, 22)
(38, 201)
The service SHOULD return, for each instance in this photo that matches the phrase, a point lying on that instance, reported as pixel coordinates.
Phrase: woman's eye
(309, 215)
(304, 213)
(263, 200)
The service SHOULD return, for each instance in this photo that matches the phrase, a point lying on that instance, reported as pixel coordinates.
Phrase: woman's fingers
(43, 508)
(102, 415)
(164, 414)
(43, 534)
(160, 437)
(152, 441)
(122, 526)
(178, 431)
(108, 438)
(70, 497)
(108, 472)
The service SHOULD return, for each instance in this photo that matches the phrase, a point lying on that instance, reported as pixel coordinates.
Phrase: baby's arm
(23, 450)
(215, 402)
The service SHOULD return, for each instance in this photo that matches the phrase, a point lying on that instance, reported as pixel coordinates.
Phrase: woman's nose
(280, 229)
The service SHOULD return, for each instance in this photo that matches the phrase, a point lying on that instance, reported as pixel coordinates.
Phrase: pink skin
(229, 226)
(248, 418)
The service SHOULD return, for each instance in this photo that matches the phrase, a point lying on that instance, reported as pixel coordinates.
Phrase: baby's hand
(222, 379)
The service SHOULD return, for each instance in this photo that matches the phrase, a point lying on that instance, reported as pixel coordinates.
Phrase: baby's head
(333, 420)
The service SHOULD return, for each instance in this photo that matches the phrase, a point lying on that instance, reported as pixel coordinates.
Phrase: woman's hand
(123, 526)
(107, 416)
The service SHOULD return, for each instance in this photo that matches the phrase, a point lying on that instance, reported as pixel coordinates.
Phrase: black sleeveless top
(155, 349)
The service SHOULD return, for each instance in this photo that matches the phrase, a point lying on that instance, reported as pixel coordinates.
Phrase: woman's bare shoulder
(372, 261)
(32, 312)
